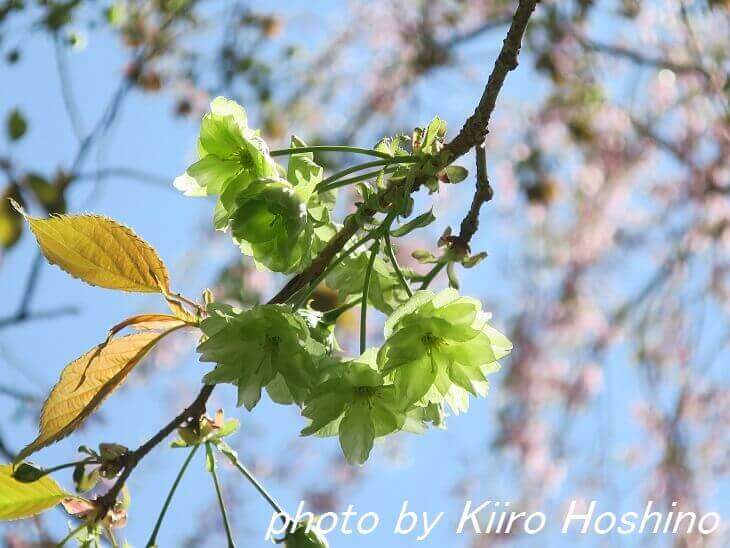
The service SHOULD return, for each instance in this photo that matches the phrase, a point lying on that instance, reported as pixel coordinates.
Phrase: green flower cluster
(265, 347)
(230, 153)
(440, 348)
(356, 404)
(275, 215)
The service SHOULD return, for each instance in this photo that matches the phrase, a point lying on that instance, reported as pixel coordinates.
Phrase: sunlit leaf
(100, 252)
(86, 382)
(22, 500)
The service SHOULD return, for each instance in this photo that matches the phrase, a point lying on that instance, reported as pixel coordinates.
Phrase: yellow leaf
(179, 310)
(86, 382)
(101, 252)
(148, 322)
(22, 500)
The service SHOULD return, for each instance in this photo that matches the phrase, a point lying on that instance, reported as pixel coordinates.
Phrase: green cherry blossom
(266, 346)
(269, 221)
(356, 404)
(440, 348)
(230, 153)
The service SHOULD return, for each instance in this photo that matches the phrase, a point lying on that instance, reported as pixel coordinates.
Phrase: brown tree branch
(130, 460)
(482, 194)
(475, 130)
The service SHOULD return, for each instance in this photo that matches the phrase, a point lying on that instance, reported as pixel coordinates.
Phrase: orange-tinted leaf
(86, 382)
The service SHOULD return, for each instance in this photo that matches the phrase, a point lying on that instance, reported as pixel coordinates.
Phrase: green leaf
(11, 220)
(454, 174)
(22, 500)
(16, 125)
(472, 260)
(421, 221)
(385, 292)
(357, 433)
(50, 195)
(423, 256)
(433, 136)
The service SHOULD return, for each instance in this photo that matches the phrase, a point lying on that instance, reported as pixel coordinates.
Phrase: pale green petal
(221, 106)
(220, 135)
(413, 380)
(212, 172)
(357, 433)
(189, 186)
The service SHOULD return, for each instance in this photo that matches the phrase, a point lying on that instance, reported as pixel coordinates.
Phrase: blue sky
(147, 137)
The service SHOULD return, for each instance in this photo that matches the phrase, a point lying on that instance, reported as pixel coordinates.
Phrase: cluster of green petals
(356, 404)
(440, 348)
(229, 153)
(269, 222)
(267, 346)
(274, 214)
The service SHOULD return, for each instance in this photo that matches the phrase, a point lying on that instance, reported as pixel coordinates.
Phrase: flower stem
(365, 291)
(153, 537)
(46, 471)
(219, 493)
(301, 301)
(329, 148)
(331, 315)
(394, 262)
(356, 179)
(70, 535)
(325, 184)
(257, 485)
(428, 278)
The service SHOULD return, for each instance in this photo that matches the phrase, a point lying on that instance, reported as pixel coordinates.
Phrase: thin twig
(219, 493)
(14, 393)
(365, 292)
(5, 450)
(126, 173)
(640, 58)
(153, 538)
(52, 313)
(74, 115)
(474, 131)
(482, 194)
(193, 411)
